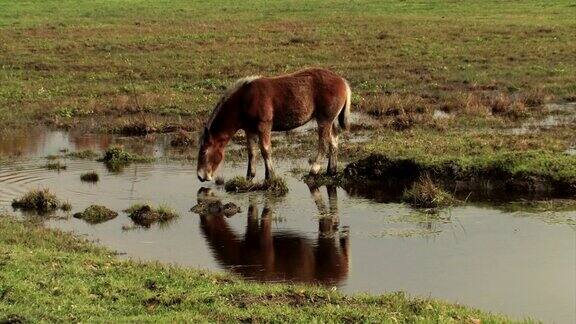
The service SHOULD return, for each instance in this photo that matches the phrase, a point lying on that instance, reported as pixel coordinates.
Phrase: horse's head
(210, 155)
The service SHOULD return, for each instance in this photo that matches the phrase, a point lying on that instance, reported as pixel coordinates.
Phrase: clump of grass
(117, 158)
(274, 185)
(66, 206)
(91, 176)
(52, 157)
(41, 201)
(55, 166)
(85, 154)
(394, 105)
(145, 215)
(220, 181)
(215, 207)
(182, 138)
(95, 214)
(424, 193)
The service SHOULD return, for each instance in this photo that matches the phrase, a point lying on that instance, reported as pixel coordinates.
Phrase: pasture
(457, 183)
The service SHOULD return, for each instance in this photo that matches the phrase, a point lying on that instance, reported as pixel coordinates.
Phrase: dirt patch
(41, 201)
(96, 214)
(275, 185)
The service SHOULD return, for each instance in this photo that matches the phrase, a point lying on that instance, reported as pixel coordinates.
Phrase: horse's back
(292, 100)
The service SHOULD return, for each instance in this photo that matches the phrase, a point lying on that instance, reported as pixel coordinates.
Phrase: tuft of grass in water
(220, 181)
(55, 166)
(145, 215)
(41, 201)
(43, 267)
(85, 155)
(116, 158)
(274, 185)
(182, 138)
(95, 214)
(541, 206)
(424, 193)
(91, 176)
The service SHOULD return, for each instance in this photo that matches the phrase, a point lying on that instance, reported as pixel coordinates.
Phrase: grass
(95, 214)
(91, 176)
(513, 172)
(145, 215)
(116, 158)
(424, 193)
(57, 166)
(140, 66)
(276, 185)
(41, 201)
(84, 155)
(51, 276)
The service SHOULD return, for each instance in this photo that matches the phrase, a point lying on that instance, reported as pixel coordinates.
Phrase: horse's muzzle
(204, 176)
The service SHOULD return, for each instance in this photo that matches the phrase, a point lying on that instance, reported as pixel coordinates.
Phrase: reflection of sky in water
(508, 262)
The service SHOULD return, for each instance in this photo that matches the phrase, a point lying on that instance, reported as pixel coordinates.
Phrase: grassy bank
(140, 65)
(48, 275)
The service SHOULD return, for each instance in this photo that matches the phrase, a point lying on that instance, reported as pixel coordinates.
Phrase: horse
(259, 105)
(265, 254)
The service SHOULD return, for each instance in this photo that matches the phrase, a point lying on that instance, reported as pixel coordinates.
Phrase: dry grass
(41, 201)
(424, 193)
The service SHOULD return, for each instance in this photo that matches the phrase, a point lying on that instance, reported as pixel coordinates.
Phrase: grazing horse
(260, 105)
(266, 254)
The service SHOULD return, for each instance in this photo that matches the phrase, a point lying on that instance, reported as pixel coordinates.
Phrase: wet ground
(518, 263)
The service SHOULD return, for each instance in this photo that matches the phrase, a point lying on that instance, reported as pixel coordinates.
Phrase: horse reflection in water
(281, 256)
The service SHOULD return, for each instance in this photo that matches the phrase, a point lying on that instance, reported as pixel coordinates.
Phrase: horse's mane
(229, 92)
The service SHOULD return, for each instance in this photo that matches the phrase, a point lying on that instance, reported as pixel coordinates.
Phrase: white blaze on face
(203, 173)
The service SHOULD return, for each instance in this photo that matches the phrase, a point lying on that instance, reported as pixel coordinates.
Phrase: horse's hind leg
(251, 142)
(323, 139)
(333, 151)
(266, 148)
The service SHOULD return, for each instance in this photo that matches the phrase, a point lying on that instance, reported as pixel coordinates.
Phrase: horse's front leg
(266, 149)
(251, 140)
(323, 139)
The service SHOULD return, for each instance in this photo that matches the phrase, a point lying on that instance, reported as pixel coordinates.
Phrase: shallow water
(517, 263)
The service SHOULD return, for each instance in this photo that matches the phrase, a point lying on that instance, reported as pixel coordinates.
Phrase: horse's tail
(344, 115)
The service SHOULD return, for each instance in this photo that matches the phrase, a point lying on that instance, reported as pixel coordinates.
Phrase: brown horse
(260, 105)
(268, 255)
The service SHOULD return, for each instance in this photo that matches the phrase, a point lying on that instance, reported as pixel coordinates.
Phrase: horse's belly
(288, 119)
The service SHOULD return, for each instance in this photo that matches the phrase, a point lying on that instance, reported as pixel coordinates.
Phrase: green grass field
(54, 277)
(98, 63)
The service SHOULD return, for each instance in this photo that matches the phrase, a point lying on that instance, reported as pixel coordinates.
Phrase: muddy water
(517, 263)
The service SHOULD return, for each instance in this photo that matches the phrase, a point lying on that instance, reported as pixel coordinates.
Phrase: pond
(519, 263)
